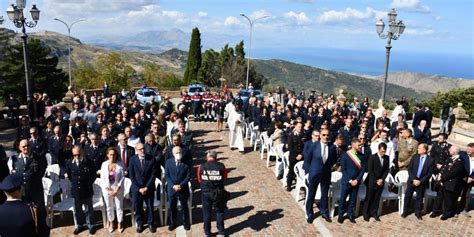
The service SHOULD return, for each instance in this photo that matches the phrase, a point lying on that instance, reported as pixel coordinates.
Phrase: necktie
(381, 160)
(25, 158)
(324, 153)
(77, 163)
(141, 163)
(420, 166)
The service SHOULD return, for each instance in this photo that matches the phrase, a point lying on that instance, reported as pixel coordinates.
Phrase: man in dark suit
(32, 166)
(422, 133)
(38, 145)
(429, 116)
(16, 217)
(378, 167)
(295, 147)
(317, 164)
(420, 114)
(63, 124)
(353, 168)
(23, 129)
(125, 152)
(95, 152)
(153, 149)
(383, 120)
(81, 173)
(420, 170)
(177, 175)
(142, 173)
(468, 158)
(451, 177)
(55, 145)
(347, 131)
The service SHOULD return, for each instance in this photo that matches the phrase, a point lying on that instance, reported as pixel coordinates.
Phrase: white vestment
(236, 130)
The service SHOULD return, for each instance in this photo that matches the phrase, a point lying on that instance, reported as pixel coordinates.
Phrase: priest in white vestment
(236, 129)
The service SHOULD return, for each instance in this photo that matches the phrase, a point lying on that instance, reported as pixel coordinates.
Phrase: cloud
(350, 14)
(259, 14)
(202, 14)
(410, 5)
(419, 32)
(299, 18)
(231, 21)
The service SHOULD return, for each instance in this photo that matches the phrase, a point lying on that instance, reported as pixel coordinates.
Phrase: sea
(372, 63)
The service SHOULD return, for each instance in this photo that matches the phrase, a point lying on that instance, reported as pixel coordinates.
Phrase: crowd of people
(112, 139)
(334, 135)
(107, 139)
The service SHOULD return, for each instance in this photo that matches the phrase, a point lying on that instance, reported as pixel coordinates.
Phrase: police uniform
(187, 101)
(82, 176)
(16, 217)
(197, 101)
(211, 176)
(207, 106)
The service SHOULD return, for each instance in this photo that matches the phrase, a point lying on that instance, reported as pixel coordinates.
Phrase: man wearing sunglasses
(318, 165)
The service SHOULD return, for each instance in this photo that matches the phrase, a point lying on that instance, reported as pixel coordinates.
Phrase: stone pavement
(260, 206)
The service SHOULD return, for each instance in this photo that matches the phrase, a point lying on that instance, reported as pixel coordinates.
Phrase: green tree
(194, 58)
(45, 76)
(114, 70)
(240, 53)
(210, 70)
(86, 77)
(151, 74)
(455, 96)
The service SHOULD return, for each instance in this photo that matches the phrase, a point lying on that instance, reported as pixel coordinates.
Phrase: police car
(196, 88)
(143, 95)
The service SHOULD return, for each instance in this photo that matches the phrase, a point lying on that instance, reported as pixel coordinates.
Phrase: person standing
(378, 168)
(197, 105)
(236, 129)
(468, 158)
(13, 109)
(295, 147)
(16, 217)
(420, 170)
(177, 176)
(211, 176)
(353, 168)
(125, 152)
(407, 148)
(420, 114)
(142, 173)
(451, 177)
(445, 114)
(32, 167)
(318, 163)
(112, 183)
(82, 176)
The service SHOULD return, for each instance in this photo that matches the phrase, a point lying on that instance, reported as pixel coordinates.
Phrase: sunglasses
(76, 155)
(324, 135)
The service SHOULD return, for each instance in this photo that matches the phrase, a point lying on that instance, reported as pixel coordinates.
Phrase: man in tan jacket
(406, 149)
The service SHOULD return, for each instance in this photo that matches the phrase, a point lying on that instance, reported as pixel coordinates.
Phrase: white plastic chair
(401, 179)
(66, 203)
(286, 167)
(98, 201)
(334, 191)
(49, 159)
(157, 204)
(361, 194)
(386, 194)
(10, 154)
(49, 191)
(272, 151)
(127, 199)
(279, 158)
(264, 144)
(300, 180)
(429, 194)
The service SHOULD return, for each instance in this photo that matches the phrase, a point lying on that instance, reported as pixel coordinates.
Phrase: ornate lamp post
(69, 45)
(251, 22)
(394, 32)
(15, 13)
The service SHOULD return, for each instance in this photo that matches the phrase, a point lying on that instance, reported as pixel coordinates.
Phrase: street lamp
(251, 22)
(69, 45)
(394, 32)
(15, 13)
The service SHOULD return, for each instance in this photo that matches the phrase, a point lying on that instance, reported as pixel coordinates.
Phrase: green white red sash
(355, 158)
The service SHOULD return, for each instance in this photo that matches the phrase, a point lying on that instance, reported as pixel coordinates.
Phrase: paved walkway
(260, 206)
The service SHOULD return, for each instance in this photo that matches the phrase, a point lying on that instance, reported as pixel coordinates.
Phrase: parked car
(196, 88)
(245, 94)
(143, 95)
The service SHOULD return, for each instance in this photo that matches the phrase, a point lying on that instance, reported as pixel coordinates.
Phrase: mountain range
(155, 47)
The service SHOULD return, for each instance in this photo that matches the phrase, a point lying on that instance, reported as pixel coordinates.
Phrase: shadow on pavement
(256, 222)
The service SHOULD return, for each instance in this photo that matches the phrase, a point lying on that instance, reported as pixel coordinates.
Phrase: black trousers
(464, 196)
(371, 202)
(420, 193)
(291, 173)
(438, 202)
(450, 201)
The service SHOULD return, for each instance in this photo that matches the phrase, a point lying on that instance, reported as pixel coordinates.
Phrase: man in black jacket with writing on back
(295, 147)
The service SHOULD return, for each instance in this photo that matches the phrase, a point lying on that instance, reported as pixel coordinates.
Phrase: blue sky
(432, 26)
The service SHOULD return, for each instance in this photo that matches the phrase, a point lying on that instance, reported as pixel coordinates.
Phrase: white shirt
(324, 152)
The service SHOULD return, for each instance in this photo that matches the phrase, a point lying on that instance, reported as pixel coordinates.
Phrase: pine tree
(194, 58)
(45, 76)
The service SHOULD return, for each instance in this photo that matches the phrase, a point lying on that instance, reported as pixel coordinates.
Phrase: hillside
(298, 76)
(425, 83)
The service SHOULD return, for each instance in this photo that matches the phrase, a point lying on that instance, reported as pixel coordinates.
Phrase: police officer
(207, 98)
(197, 104)
(81, 173)
(211, 177)
(16, 217)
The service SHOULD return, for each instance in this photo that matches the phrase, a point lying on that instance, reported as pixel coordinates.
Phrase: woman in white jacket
(112, 183)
